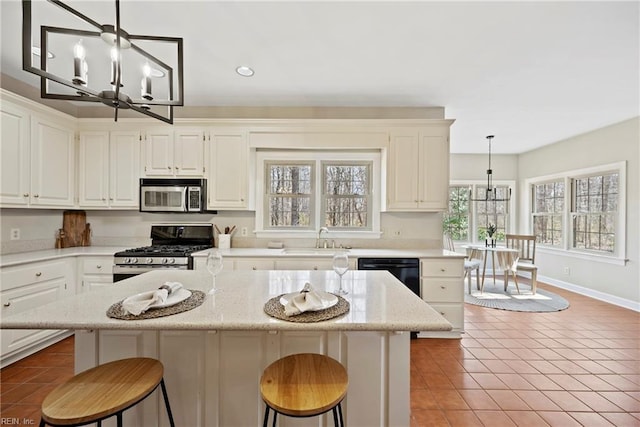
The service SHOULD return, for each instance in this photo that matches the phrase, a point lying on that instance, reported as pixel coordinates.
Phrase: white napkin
(307, 299)
(141, 303)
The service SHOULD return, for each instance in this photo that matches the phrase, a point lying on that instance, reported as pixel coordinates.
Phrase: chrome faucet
(326, 230)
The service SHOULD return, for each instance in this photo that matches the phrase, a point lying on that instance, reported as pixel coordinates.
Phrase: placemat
(274, 309)
(196, 299)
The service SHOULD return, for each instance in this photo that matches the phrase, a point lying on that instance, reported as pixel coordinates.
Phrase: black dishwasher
(407, 270)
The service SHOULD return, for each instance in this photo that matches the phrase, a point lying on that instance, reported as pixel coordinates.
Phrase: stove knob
(128, 261)
(165, 261)
(172, 261)
(134, 260)
(149, 260)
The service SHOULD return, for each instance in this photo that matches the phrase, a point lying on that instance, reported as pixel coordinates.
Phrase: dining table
(505, 257)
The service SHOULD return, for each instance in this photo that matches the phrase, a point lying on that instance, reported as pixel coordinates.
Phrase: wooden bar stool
(304, 385)
(104, 391)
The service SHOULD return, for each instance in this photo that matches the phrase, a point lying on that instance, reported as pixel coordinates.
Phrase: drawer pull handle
(315, 267)
(443, 270)
(98, 266)
(7, 304)
(254, 268)
(443, 287)
(38, 274)
(442, 313)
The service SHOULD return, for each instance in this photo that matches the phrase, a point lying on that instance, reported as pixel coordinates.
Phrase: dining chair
(526, 246)
(470, 263)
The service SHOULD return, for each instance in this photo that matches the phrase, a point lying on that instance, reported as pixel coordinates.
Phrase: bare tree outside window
(548, 208)
(347, 192)
(595, 211)
(289, 195)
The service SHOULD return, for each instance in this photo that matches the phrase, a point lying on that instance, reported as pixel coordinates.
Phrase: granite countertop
(321, 253)
(48, 254)
(379, 302)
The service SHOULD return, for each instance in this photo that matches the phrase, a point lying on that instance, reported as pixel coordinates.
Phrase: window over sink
(300, 191)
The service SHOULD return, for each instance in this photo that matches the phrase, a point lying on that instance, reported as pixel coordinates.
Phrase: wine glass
(214, 265)
(340, 266)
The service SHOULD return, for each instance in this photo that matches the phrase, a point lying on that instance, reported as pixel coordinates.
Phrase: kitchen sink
(313, 251)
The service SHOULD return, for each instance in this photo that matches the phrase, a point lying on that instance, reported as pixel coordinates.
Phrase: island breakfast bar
(214, 354)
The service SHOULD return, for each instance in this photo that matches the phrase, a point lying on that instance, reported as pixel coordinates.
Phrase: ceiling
(531, 73)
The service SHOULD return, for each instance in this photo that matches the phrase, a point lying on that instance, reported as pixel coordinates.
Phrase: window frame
(618, 256)
(473, 222)
(318, 158)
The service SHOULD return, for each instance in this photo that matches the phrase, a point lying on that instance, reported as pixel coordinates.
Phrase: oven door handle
(119, 269)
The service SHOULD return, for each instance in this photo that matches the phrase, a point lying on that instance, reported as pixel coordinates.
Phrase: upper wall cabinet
(418, 170)
(109, 164)
(15, 178)
(228, 171)
(178, 152)
(38, 164)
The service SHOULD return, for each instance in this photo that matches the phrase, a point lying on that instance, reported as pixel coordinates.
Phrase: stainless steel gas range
(171, 248)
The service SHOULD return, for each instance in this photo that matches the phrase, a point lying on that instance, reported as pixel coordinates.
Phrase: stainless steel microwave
(173, 195)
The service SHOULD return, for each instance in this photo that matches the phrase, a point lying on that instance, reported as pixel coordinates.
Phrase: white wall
(611, 144)
(131, 228)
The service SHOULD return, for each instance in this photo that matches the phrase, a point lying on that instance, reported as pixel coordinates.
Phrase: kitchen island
(214, 354)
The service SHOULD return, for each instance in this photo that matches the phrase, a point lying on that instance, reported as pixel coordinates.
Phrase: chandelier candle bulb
(79, 64)
(146, 83)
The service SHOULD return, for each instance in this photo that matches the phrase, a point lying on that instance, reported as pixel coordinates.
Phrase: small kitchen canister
(224, 241)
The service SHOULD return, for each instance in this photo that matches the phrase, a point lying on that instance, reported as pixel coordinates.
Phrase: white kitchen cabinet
(95, 272)
(109, 164)
(29, 286)
(37, 160)
(442, 286)
(253, 264)
(418, 170)
(14, 161)
(174, 153)
(228, 171)
(325, 263)
(52, 163)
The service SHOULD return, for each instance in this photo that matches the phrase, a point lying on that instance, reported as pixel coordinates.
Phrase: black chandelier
(490, 194)
(98, 66)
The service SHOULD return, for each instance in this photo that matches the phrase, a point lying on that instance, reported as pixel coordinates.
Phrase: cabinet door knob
(254, 268)
(169, 167)
(98, 266)
(7, 304)
(443, 287)
(25, 195)
(315, 267)
(38, 274)
(36, 195)
(104, 199)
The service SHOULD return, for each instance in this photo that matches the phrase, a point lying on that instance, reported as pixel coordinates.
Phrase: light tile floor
(577, 367)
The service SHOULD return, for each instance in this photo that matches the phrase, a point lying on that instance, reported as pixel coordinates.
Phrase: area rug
(494, 296)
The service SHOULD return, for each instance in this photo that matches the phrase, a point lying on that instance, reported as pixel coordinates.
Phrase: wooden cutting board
(74, 224)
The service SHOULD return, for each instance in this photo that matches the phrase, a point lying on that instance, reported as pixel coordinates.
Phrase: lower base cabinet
(95, 272)
(212, 377)
(442, 286)
(28, 286)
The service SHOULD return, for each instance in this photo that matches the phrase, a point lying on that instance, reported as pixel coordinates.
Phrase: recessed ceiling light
(36, 51)
(244, 71)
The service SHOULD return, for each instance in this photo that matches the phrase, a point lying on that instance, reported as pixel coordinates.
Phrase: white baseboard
(611, 299)
(588, 292)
